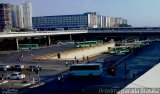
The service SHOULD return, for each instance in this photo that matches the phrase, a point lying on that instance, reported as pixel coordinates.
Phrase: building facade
(78, 21)
(20, 17)
(17, 16)
(5, 17)
(62, 22)
(27, 14)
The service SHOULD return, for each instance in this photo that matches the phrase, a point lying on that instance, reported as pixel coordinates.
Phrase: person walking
(2, 77)
(77, 61)
(66, 63)
(21, 57)
(59, 78)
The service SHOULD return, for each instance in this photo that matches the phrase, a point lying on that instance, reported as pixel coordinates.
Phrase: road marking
(3, 82)
(37, 85)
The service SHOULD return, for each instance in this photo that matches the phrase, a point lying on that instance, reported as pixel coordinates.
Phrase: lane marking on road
(3, 82)
(34, 86)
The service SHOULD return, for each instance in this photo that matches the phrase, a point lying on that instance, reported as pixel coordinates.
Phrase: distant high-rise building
(107, 22)
(124, 21)
(27, 13)
(110, 22)
(22, 15)
(5, 16)
(14, 15)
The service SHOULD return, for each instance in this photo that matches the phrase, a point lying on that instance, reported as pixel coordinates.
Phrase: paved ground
(138, 64)
(50, 69)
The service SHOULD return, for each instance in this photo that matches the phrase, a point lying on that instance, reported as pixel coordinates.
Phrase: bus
(88, 43)
(92, 69)
(64, 42)
(119, 50)
(27, 46)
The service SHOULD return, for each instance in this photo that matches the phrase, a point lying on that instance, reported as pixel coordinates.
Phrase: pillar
(17, 44)
(70, 37)
(49, 40)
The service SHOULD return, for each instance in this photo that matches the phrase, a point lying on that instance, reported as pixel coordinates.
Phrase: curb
(27, 84)
(24, 85)
(37, 85)
(3, 82)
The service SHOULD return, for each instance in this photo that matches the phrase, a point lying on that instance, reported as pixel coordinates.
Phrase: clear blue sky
(137, 12)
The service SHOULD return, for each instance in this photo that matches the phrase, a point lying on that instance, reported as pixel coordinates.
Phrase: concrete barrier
(79, 53)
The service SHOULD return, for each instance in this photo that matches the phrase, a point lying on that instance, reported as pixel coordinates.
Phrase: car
(35, 67)
(16, 75)
(4, 67)
(18, 66)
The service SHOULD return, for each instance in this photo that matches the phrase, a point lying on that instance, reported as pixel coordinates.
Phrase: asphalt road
(13, 57)
(136, 64)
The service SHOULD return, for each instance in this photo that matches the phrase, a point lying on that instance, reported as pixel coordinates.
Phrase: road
(136, 64)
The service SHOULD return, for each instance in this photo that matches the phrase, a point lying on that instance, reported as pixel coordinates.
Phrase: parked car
(16, 75)
(34, 68)
(18, 66)
(4, 67)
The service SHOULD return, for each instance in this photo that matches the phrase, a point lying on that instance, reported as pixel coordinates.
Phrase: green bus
(27, 46)
(119, 51)
(88, 43)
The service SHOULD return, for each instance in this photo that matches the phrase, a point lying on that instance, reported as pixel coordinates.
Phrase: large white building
(22, 15)
(27, 13)
(17, 16)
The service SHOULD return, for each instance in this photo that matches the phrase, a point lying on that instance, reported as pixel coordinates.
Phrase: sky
(137, 12)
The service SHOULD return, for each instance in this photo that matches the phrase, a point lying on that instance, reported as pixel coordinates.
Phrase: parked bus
(64, 42)
(88, 43)
(119, 50)
(27, 46)
(94, 69)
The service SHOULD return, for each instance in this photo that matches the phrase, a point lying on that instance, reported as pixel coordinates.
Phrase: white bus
(92, 69)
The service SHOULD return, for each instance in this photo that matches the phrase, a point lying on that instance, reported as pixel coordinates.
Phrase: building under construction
(5, 16)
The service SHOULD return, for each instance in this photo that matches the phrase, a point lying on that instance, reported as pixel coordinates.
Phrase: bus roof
(90, 64)
(86, 41)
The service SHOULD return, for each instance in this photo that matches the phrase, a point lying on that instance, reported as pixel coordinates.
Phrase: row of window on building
(86, 20)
